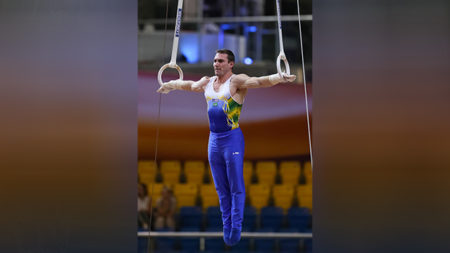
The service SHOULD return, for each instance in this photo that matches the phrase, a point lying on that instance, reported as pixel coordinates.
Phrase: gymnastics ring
(169, 65)
(282, 56)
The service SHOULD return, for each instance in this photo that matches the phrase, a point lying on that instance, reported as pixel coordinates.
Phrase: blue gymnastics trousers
(226, 158)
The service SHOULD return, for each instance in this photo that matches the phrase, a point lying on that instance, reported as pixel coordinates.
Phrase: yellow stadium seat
(304, 195)
(247, 179)
(211, 200)
(194, 171)
(305, 201)
(266, 178)
(208, 201)
(195, 179)
(147, 178)
(209, 175)
(207, 189)
(185, 194)
(259, 201)
(290, 172)
(283, 190)
(171, 178)
(259, 189)
(259, 195)
(185, 189)
(248, 167)
(170, 166)
(147, 167)
(248, 172)
(147, 171)
(284, 202)
(307, 170)
(305, 189)
(290, 164)
(194, 166)
(208, 195)
(266, 166)
(154, 191)
(283, 195)
(170, 172)
(266, 172)
(185, 201)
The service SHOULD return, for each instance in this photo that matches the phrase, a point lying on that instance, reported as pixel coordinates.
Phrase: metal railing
(201, 20)
(220, 234)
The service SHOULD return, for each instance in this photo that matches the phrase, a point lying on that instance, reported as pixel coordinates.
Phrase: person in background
(143, 207)
(165, 210)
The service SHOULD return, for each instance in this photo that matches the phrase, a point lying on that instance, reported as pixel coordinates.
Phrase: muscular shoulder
(239, 79)
(236, 85)
(200, 85)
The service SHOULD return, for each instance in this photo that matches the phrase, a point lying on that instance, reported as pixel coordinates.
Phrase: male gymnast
(224, 95)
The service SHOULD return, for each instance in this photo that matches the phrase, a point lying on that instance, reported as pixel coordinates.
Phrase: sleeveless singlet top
(223, 111)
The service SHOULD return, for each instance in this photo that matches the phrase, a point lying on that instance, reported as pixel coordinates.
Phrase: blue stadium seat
(214, 245)
(164, 244)
(189, 229)
(307, 243)
(299, 218)
(265, 245)
(215, 229)
(262, 246)
(213, 219)
(190, 245)
(271, 217)
(249, 224)
(288, 245)
(165, 251)
(142, 244)
(215, 251)
(190, 217)
(243, 246)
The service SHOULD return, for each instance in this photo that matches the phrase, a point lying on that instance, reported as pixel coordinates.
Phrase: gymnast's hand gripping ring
(169, 65)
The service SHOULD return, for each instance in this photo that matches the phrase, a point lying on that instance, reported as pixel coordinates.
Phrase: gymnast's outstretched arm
(242, 81)
(187, 85)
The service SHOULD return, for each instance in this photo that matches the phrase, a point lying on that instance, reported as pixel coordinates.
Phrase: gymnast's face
(221, 64)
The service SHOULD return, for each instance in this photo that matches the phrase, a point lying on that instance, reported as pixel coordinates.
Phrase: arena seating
(283, 205)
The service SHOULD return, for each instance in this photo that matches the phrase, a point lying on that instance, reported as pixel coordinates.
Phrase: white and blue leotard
(226, 153)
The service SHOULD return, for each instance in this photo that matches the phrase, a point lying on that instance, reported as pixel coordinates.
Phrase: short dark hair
(144, 188)
(230, 55)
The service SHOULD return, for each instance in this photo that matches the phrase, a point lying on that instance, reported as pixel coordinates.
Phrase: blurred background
(173, 129)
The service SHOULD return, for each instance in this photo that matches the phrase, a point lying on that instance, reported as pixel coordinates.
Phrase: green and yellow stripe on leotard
(233, 112)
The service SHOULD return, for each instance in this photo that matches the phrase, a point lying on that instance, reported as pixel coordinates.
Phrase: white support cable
(157, 126)
(220, 234)
(280, 34)
(281, 56)
(176, 37)
(304, 84)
